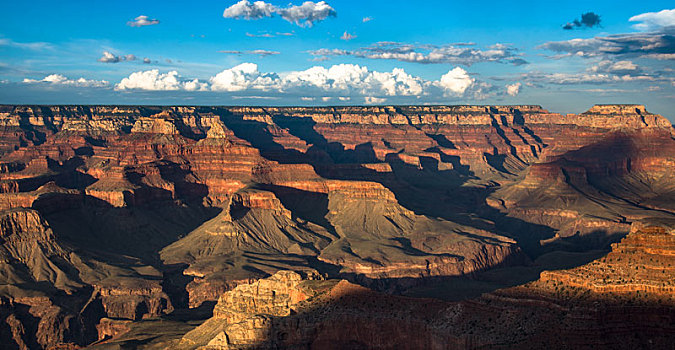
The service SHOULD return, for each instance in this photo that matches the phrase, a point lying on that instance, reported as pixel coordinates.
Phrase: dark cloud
(657, 45)
(588, 20)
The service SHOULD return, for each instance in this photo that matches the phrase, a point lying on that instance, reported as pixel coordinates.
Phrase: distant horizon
(331, 106)
(317, 53)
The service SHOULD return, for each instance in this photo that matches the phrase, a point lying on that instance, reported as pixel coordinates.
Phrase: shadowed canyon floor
(336, 227)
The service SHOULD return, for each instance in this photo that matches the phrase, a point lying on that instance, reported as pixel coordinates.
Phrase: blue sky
(339, 52)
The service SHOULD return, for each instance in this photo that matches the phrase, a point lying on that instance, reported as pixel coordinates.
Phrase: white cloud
(346, 36)
(456, 81)
(366, 19)
(242, 77)
(353, 78)
(660, 56)
(343, 82)
(269, 35)
(513, 89)
(462, 53)
(195, 85)
(156, 81)
(146, 60)
(374, 100)
(304, 15)
(58, 79)
(28, 46)
(618, 67)
(142, 21)
(586, 78)
(654, 20)
(263, 53)
(109, 57)
(246, 10)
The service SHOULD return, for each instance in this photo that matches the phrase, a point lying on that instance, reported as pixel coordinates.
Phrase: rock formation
(113, 215)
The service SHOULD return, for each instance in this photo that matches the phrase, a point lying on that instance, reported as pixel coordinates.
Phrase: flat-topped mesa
(616, 116)
(624, 116)
(618, 109)
(350, 189)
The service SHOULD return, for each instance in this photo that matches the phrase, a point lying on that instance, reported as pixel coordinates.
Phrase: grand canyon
(378, 227)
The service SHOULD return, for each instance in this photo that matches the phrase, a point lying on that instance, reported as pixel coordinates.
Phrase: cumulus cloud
(246, 10)
(588, 20)
(109, 57)
(461, 53)
(304, 15)
(344, 78)
(513, 89)
(343, 82)
(654, 20)
(242, 77)
(456, 81)
(155, 81)
(142, 21)
(351, 78)
(58, 79)
(346, 36)
(146, 60)
(366, 19)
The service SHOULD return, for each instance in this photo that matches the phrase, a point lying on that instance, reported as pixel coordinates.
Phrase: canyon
(440, 227)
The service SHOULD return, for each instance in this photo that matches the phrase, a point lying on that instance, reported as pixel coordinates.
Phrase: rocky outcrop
(133, 299)
(642, 264)
(110, 328)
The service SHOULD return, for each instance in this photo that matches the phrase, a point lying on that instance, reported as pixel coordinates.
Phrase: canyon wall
(111, 215)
